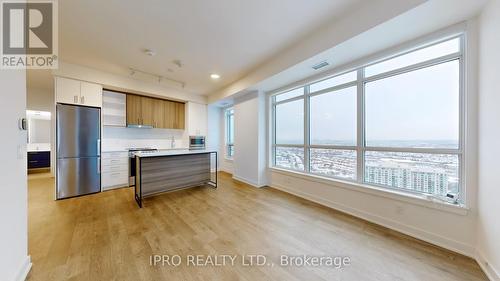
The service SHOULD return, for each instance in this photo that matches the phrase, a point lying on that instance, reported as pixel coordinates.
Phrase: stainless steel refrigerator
(78, 141)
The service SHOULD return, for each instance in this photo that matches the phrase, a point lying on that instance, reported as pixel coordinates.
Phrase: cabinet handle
(82, 99)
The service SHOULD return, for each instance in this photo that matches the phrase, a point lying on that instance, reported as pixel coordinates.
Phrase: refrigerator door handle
(98, 165)
(99, 147)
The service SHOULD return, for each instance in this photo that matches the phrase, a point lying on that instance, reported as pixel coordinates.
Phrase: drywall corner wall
(40, 99)
(488, 229)
(43, 100)
(14, 260)
(225, 163)
(249, 139)
(213, 130)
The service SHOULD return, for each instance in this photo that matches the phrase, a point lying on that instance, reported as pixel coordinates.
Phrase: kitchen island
(163, 171)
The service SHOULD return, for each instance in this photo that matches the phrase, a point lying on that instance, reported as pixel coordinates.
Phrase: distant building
(433, 181)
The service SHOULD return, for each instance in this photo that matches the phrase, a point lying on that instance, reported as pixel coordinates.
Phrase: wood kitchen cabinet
(169, 114)
(134, 110)
(158, 113)
(147, 111)
(179, 122)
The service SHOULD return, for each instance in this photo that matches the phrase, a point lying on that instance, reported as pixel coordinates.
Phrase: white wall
(40, 99)
(213, 140)
(488, 242)
(213, 129)
(225, 163)
(14, 259)
(249, 139)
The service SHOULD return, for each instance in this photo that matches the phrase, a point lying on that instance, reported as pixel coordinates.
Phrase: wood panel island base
(163, 171)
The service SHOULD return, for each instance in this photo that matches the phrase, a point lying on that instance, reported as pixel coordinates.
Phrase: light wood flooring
(106, 236)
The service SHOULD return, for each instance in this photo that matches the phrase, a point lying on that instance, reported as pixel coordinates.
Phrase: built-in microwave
(196, 142)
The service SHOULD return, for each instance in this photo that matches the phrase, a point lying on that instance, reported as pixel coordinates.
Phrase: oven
(196, 142)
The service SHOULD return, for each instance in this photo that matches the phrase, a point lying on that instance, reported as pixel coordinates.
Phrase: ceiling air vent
(320, 65)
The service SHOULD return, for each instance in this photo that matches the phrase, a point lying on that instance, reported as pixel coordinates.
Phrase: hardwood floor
(106, 236)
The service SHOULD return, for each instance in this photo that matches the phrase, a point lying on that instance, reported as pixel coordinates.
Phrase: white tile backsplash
(121, 138)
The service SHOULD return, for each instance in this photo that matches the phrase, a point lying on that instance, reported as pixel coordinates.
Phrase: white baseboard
(247, 181)
(491, 272)
(421, 234)
(24, 269)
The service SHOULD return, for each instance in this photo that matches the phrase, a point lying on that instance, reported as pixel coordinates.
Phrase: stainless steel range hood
(140, 126)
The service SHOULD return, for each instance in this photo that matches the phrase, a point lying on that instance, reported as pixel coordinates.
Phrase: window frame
(273, 114)
(227, 126)
(360, 147)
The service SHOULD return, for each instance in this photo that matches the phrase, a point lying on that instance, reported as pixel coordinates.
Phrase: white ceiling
(229, 37)
(431, 16)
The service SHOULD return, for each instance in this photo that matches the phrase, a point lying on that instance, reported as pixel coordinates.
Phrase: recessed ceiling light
(214, 76)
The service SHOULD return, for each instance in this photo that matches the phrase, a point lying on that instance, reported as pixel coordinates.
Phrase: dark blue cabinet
(38, 159)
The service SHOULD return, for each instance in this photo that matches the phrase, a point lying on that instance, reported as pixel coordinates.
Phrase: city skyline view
(436, 174)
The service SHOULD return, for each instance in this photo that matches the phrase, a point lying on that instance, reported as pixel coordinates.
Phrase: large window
(395, 123)
(230, 133)
(289, 130)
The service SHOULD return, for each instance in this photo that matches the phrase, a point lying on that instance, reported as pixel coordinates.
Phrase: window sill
(415, 199)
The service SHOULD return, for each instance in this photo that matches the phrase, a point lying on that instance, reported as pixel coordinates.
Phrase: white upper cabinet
(67, 90)
(78, 92)
(197, 119)
(90, 94)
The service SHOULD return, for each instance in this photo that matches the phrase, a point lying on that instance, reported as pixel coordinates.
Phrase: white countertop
(115, 150)
(38, 147)
(173, 152)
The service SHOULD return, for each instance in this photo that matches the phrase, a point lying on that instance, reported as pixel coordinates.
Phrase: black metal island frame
(163, 171)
